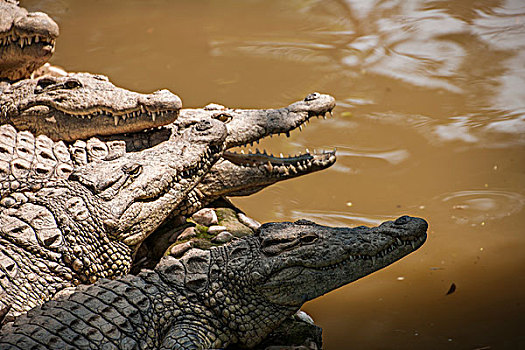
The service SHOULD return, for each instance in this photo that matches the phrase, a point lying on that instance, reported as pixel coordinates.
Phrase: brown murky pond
(430, 122)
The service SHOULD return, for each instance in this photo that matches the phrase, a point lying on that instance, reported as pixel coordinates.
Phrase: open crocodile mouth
(12, 39)
(285, 166)
(289, 165)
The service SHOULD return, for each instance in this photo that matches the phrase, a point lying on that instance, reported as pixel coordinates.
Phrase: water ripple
(479, 206)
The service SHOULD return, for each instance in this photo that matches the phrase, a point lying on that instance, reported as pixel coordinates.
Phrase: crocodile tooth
(281, 155)
(292, 168)
(37, 39)
(115, 119)
(124, 117)
(269, 166)
(413, 244)
(398, 241)
(300, 128)
(153, 116)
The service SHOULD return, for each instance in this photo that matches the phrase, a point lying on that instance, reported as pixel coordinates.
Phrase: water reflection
(472, 54)
(430, 122)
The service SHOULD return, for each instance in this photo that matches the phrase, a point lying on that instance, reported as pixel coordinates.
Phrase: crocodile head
(27, 40)
(301, 261)
(81, 105)
(240, 173)
(254, 283)
(246, 126)
(140, 189)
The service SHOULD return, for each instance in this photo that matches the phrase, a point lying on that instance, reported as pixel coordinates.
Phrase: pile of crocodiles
(102, 244)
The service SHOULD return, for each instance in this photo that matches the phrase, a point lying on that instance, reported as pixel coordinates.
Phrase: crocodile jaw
(27, 41)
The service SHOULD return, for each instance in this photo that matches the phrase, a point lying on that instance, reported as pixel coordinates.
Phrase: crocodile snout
(160, 100)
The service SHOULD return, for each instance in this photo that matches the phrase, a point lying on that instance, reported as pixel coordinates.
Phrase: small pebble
(223, 237)
(251, 223)
(188, 233)
(179, 249)
(303, 316)
(213, 230)
(206, 217)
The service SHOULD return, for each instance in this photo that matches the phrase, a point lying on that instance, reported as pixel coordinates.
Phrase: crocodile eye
(44, 83)
(132, 169)
(72, 83)
(312, 96)
(308, 238)
(223, 117)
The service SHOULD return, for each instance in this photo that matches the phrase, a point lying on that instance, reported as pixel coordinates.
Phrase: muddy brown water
(430, 122)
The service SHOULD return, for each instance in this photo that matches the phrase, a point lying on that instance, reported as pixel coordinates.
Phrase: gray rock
(251, 223)
(205, 217)
(179, 249)
(223, 237)
(213, 230)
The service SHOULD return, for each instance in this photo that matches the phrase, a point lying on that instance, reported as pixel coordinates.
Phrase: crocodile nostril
(203, 125)
(402, 220)
(304, 222)
(312, 96)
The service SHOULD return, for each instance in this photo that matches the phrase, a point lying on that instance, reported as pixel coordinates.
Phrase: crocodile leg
(187, 337)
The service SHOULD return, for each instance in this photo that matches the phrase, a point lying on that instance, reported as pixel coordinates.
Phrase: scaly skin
(236, 293)
(228, 179)
(27, 40)
(248, 125)
(239, 174)
(88, 224)
(81, 105)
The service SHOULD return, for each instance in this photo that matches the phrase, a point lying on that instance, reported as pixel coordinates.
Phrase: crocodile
(87, 225)
(27, 40)
(89, 222)
(81, 105)
(232, 294)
